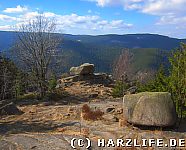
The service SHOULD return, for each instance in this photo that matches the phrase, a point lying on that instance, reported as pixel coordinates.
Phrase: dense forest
(102, 50)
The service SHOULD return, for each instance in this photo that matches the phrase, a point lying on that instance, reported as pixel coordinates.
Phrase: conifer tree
(177, 78)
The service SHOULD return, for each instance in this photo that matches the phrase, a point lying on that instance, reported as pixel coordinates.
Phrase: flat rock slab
(36, 142)
(40, 142)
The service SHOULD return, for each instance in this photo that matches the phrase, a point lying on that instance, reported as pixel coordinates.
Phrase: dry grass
(85, 131)
(61, 129)
(158, 132)
(123, 122)
(57, 116)
(29, 96)
(88, 114)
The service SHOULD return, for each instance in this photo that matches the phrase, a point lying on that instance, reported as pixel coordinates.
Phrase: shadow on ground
(178, 127)
(182, 126)
(23, 127)
(65, 100)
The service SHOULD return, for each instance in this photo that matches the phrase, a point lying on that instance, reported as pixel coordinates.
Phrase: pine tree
(52, 83)
(177, 78)
(174, 82)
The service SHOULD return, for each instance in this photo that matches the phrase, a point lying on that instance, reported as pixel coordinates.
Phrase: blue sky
(95, 17)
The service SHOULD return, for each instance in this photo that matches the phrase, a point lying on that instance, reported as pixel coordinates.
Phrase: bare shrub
(88, 114)
(122, 65)
(35, 46)
(85, 108)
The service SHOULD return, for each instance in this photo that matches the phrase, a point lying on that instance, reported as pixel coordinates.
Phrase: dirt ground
(48, 125)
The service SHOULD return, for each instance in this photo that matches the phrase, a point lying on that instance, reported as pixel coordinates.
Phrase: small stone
(119, 110)
(110, 109)
(132, 90)
(111, 118)
(93, 95)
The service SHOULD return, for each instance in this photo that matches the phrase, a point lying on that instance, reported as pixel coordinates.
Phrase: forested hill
(113, 40)
(102, 50)
(129, 40)
(6, 40)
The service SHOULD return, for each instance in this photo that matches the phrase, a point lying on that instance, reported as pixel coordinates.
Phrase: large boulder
(84, 69)
(150, 109)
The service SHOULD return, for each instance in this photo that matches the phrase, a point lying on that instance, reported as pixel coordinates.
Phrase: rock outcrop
(85, 72)
(84, 69)
(150, 109)
(86, 84)
(9, 108)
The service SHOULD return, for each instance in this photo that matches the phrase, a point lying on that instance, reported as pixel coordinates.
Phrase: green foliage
(12, 80)
(177, 78)
(56, 95)
(8, 72)
(159, 84)
(29, 96)
(119, 89)
(20, 84)
(145, 58)
(52, 83)
(174, 82)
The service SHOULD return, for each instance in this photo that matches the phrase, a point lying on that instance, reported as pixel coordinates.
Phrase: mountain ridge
(103, 50)
(139, 40)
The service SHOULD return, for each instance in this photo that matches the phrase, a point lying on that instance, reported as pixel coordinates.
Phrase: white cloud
(124, 3)
(163, 7)
(157, 7)
(6, 28)
(171, 19)
(28, 15)
(90, 23)
(72, 23)
(7, 18)
(169, 11)
(18, 9)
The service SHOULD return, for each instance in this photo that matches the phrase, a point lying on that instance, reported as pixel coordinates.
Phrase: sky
(97, 17)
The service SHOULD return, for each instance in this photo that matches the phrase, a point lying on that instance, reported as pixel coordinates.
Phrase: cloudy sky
(95, 17)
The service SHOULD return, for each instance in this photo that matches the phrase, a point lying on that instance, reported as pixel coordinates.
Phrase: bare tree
(35, 46)
(122, 66)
